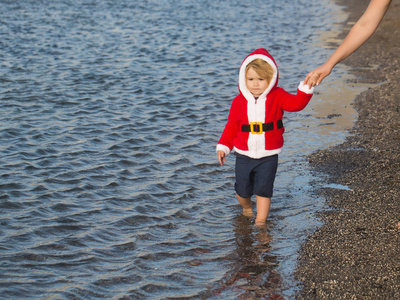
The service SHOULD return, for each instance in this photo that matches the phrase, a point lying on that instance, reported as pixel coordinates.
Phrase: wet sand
(356, 253)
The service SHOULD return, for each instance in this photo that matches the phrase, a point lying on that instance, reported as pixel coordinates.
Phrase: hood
(263, 54)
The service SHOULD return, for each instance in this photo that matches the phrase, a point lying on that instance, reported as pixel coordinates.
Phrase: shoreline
(355, 254)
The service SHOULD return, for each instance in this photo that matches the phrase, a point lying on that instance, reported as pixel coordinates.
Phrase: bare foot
(248, 212)
(260, 223)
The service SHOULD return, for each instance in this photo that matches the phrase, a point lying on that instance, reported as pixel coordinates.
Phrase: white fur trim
(259, 153)
(256, 113)
(224, 148)
(305, 88)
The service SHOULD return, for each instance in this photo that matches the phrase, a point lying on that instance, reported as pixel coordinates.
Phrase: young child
(255, 130)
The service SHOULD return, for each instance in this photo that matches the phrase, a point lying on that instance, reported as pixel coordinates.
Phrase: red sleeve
(231, 127)
(296, 102)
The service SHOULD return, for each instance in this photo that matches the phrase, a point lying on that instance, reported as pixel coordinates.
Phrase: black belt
(259, 128)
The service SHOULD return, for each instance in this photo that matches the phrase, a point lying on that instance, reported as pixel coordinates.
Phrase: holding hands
(316, 76)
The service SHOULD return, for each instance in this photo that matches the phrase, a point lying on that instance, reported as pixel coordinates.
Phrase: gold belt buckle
(252, 124)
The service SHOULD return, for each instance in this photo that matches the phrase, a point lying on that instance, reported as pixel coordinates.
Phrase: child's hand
(221, 157)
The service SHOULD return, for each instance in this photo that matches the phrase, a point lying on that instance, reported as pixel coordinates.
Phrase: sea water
(110, 113)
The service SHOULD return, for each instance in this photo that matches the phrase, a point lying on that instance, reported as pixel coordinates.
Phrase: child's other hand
(221, 157)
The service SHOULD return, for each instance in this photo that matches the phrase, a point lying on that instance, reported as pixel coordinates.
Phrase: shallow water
(110, 112)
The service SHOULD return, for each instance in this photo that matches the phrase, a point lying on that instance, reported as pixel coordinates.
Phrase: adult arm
(358, 35)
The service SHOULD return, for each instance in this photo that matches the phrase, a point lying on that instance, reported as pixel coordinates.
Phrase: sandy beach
(356, 253)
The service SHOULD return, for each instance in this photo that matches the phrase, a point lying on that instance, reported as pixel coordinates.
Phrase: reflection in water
(254, 274)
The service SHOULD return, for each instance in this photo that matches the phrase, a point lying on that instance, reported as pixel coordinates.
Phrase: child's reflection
(255, 271)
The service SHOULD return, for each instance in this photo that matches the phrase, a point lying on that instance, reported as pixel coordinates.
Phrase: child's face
(255, 83)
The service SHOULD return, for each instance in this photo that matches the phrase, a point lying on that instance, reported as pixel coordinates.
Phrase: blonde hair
(262, 68)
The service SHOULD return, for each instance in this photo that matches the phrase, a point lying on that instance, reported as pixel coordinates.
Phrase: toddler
(255, 130)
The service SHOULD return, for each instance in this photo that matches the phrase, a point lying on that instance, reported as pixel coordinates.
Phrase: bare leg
(246, 204)
(263, 206)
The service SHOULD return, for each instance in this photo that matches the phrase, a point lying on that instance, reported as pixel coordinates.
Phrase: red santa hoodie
(268, 109)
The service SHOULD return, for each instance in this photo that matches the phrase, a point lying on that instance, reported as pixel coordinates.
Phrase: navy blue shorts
(255, 176)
